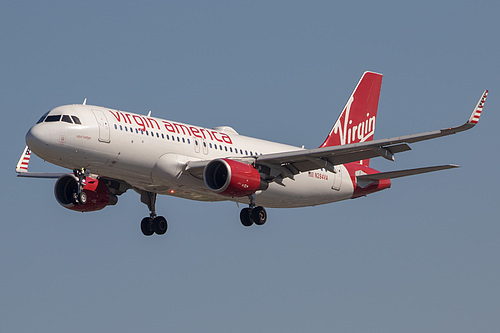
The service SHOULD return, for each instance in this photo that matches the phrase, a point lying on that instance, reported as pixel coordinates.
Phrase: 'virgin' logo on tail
(353, 134)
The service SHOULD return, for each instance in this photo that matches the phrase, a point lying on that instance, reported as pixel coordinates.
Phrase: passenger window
(157, 135)
(230, 149)
(225, 147)
(162, 136)
(76, 120)
(121, 128)
(183, 141)
(116, 127)
(189, 142)
(42, 118)
(51, 119)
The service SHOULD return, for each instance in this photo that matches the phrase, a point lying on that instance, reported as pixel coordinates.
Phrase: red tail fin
(357, 121)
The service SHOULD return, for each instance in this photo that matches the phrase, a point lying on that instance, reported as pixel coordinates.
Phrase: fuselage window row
(184, 140)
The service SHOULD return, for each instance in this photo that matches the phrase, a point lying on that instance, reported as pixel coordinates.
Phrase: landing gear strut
(80, 197)
(253, 214)
(153, 223)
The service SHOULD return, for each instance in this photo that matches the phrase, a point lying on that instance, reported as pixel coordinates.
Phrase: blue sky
(421, 256)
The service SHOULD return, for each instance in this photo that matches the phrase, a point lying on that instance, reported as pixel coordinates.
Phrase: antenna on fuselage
(85, 101)
(149, 113)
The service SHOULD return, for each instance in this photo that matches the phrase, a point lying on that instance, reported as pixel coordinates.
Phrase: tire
(147, 226)
(82, 198)
(160, 225)
(245, 217)
(74, 198)
(259, 215)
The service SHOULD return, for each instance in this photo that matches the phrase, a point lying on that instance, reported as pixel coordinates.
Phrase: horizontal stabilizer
(404, 173)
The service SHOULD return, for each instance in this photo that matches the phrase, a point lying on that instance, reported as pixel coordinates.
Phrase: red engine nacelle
(98, 195)
(232, 178)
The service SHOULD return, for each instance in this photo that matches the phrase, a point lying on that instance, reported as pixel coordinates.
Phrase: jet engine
(233, 179)
(97, 193)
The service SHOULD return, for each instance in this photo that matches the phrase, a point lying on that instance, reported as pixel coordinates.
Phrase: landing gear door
(337, 179)
(102, 121)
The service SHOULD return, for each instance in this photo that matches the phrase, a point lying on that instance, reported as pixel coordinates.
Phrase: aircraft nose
(36, 138)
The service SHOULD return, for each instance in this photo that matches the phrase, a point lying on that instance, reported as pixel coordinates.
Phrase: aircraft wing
(287, 164)
(305, 160)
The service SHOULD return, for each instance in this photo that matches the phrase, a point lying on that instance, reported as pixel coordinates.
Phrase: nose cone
(37, 139)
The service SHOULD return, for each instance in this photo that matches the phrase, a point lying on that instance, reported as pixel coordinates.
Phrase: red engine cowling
(98, 195)
(232, 178)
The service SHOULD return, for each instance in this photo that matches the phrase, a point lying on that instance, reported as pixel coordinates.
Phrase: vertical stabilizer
(357, 121)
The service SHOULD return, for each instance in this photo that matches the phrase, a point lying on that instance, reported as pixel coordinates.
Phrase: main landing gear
(153, 223)
(252, 214)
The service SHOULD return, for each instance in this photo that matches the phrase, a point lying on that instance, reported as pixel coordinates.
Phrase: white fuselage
(149, 154)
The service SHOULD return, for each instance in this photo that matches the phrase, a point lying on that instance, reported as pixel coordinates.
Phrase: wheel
(75, 198)
(259, 215)
(82, 198)
(160, 225)
(147, 226)
(245, 217)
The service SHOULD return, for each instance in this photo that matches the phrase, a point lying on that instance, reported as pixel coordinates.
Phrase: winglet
(22, 165)
(474, 117)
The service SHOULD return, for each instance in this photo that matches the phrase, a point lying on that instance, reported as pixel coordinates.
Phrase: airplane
(111, 151)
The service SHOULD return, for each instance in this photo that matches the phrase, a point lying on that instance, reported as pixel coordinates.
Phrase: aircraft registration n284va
(111, 151)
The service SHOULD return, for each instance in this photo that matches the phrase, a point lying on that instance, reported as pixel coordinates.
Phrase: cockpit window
(66, 119)
(76, 120)
(52, 118)
(42, 118)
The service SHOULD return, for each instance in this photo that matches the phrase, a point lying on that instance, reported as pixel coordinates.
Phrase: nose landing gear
(80, 197)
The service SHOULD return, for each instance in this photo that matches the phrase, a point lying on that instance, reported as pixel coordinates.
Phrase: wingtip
(476, 114)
